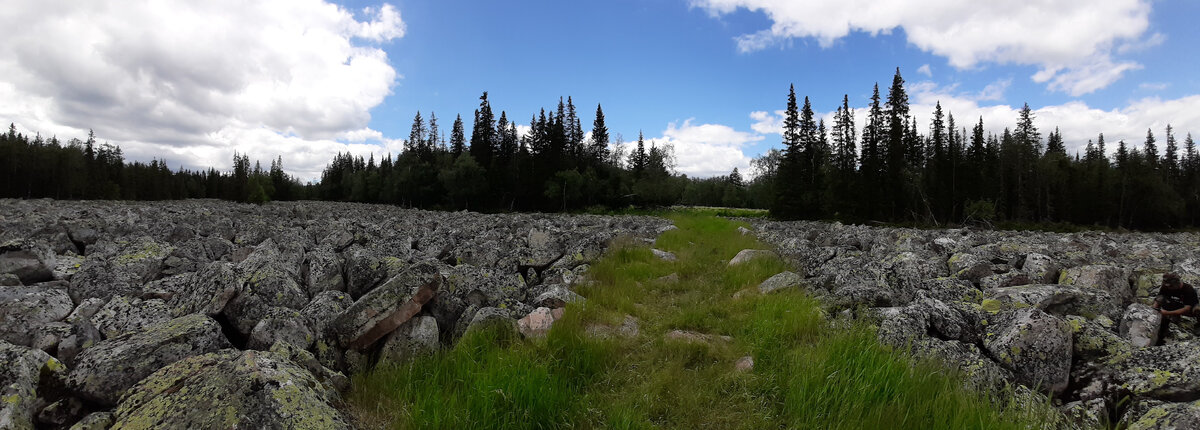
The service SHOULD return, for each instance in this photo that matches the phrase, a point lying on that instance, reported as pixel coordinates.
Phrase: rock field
(1064, 314)
(209, 314)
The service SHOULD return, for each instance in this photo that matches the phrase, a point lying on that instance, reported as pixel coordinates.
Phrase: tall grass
(809, 372)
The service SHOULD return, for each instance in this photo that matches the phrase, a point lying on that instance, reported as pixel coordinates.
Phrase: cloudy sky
(190, 82)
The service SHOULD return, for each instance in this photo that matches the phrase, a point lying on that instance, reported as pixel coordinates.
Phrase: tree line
(35, 167)
(956, 173)
(554, 166)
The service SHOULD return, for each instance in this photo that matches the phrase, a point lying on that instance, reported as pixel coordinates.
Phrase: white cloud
(190, 82)
(703, 150)
(1072, 42)
(1154, 86)
(1077, 121)
(767, 123)
(925, 70)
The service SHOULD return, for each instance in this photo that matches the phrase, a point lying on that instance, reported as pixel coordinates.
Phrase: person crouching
(1175, 300)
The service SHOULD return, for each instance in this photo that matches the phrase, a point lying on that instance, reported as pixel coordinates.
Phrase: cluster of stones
(208, 314)
(1064, 315)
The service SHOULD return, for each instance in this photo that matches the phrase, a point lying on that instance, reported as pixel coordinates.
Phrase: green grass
(809, 372)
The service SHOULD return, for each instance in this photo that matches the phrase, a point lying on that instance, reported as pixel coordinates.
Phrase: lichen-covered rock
(284, 325)
(950, 289)
(1035, 346)
(387, 307)
(23, 370)
(94, 421)
(1094, 342)
(1166, 372)
(1054, 299)
(324, 272)
(663, 255)
(86, 310)
(749, 254)
(1110, 279)
(366, 269)
(47, 336)
(416, 337)
(1091, 414)
(119, 268)
(103, 372)
(1168, 416)
(230, 389)
(780, 281)
(62, 412)
(30, 262)
(1040, 268)
(206, 291)
(1140, 325)
(489, 317)
(23, 309)
(127, 315)
(557, 296)
(969, 266)
(483, 286)
(83, 335)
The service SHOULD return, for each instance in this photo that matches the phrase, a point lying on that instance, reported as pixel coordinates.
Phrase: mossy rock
(231, 389)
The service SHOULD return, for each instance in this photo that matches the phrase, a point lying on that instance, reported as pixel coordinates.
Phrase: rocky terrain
(208, 314)
(1064, 314)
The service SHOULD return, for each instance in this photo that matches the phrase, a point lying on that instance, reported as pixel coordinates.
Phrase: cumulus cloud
(703, 150)
(190, 82)
(1071, 42)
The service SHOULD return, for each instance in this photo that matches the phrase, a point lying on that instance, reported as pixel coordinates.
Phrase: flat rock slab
(385, 308)
(103, 372)
(231, 389)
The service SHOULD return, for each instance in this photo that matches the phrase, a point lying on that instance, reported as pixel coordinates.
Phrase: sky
(191, 82)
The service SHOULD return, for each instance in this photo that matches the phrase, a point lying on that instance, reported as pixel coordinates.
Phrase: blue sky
(305, 79)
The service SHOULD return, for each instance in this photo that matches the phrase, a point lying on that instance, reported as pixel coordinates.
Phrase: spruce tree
(598, 148)
(458, 142)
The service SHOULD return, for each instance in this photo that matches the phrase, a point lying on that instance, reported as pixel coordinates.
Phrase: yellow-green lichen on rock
(231, 389)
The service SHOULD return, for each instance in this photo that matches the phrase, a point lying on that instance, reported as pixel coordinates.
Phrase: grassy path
(808, 372)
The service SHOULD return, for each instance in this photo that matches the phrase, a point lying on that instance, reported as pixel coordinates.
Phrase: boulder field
(1067, 315)
(210, 314)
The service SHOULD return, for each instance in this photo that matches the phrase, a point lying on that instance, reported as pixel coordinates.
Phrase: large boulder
(231, 389)
(31, 263)
(1140, 325)
(1034, 345)
(324, 272)
(780, 281)
(103, 372)
(385, 308)
(1059, 300)
(746, 255)
(127, 315)
(23, 309)
(120, 268)
(206, 291)
(23, 370)
(283, 326)
(1113, 280)
(1095, 341)
(416, 337)
(1168, 416)
(1169, 372)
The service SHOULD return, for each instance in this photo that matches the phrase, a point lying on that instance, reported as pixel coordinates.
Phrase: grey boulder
(103, 372)
(23, 309)
(385, 308)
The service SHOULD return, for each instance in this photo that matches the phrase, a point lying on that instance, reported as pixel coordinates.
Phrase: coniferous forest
(886, 170)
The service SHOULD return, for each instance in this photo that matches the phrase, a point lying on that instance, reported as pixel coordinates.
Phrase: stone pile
(1065, 314)
(209, 314)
